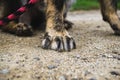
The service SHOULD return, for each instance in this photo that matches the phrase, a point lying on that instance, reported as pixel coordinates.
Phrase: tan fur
(109, 13)
(51, 14)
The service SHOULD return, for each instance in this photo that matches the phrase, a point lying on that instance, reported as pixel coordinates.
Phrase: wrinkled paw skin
(22, 29)
(58, 43)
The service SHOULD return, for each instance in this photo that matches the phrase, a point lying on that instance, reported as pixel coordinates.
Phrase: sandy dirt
(97, 56)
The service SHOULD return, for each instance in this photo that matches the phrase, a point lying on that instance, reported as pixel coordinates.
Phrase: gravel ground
(97, 56)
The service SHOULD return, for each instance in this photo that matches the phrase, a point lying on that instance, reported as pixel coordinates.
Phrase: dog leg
(57, 37)
(109, 12)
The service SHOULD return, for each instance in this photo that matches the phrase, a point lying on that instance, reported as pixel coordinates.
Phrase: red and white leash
(16, 14)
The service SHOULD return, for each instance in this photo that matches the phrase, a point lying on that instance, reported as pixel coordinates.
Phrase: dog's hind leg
(109, 12)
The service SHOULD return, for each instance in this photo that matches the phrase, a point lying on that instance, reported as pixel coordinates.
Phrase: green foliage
(88, 5)
(119, 5)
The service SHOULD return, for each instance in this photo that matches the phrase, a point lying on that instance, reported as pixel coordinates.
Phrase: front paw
(22, 29)
(58, 42)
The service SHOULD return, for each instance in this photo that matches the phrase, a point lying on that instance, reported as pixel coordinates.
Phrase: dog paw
(59, 41)
(22, 29)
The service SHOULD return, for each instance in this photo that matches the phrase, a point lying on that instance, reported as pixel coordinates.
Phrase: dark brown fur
(109, 12)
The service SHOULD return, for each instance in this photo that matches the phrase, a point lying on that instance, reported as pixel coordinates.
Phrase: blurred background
(88, 5)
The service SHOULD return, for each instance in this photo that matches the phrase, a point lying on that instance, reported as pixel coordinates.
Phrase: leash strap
(16, 14)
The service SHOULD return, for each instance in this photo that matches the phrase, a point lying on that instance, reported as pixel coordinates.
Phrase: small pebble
(4, 71)
(103, 55)
(86, 73)
(115, 52)
(115, 73)
(92, 79)
(37, 58)
(52, 66)
(62, 78)
(116, 57)
(77, 56)
(57, 61)
(98, 26)
(1, 59)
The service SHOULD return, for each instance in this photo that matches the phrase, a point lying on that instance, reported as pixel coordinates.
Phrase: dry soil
(97, 56)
